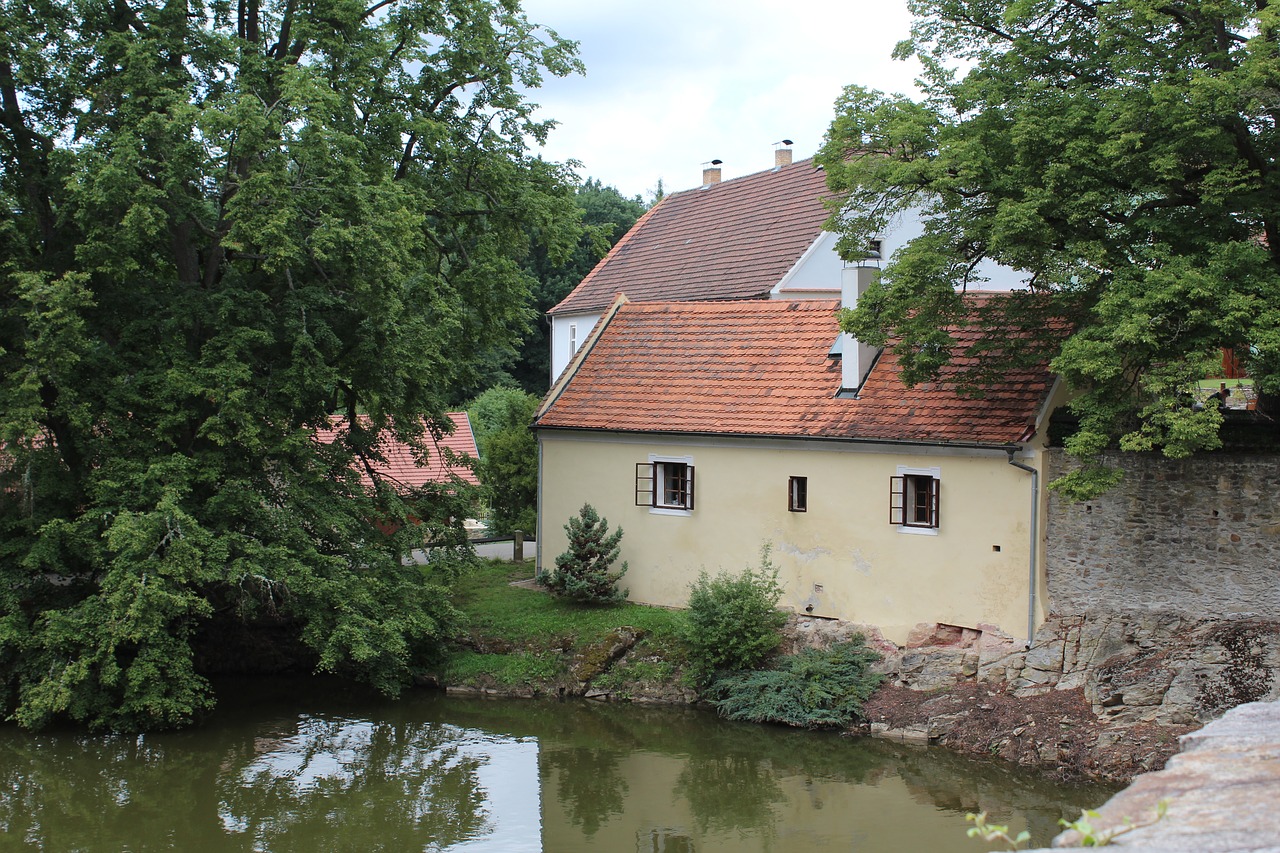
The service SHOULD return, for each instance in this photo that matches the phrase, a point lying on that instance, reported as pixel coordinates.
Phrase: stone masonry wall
(1198, 537)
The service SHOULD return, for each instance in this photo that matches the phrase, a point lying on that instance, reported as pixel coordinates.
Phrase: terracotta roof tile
(403, 469)
(733, 240)
(763, 368)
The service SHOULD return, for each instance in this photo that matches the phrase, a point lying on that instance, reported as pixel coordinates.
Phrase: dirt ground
(1056, 731)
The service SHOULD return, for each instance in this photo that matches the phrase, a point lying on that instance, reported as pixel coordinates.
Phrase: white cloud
(671, 84)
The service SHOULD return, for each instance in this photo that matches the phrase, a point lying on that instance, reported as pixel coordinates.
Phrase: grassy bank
(523, 640)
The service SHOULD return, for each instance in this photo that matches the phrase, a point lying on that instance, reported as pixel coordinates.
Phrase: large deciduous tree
(1121, 152)
(225, 224)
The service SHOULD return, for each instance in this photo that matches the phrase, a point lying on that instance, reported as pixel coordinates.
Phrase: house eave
(1001, 446)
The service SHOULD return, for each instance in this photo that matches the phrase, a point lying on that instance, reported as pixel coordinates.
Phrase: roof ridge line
(767, 170)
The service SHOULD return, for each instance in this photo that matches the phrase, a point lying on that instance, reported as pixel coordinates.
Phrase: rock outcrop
(1102, 695)
(1217, 795)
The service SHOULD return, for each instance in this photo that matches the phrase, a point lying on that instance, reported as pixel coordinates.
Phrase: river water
(314, 766)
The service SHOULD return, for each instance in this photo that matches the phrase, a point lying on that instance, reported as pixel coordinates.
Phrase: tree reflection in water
(305, 784)
(730, 792)
(397, 787)
(321, 769)
(589, 783)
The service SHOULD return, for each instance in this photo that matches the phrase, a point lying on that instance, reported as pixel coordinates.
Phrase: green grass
(538, 633)
(529, 618)
(511, 670)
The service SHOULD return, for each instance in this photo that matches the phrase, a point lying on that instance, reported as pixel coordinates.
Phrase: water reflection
(412, 787)
(589, 784)
(299, 771)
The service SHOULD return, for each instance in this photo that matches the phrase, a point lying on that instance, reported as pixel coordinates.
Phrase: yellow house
(706, 430)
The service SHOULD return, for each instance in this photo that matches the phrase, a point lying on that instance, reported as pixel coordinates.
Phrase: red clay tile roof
(733, 240)
(401, 467)
(761, 368)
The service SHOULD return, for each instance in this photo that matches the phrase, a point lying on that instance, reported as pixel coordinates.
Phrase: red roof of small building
(442, 463)
(763, 368)
(732, 240)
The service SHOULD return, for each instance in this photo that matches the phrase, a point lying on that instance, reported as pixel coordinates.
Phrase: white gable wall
(568, 332)
(817, 272)
(816, 275)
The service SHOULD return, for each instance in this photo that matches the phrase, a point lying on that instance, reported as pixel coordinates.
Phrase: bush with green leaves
(812, 689)
(733, 621)
(583, 572)
(500, 418)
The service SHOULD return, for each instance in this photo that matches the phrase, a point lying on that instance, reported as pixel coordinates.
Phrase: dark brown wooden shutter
(935, 488)
(646, 494)
(898, 500)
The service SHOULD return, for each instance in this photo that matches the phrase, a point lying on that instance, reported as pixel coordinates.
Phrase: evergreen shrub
(814, 688)
(732, 621)
(583, 571)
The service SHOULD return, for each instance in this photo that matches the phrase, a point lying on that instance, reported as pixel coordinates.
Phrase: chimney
(855, 356)
(711, 173)
(782, 153)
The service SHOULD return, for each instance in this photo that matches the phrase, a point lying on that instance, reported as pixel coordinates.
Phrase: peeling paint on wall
(802, 554)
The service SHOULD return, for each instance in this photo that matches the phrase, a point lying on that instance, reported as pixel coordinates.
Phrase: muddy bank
(1057, 732)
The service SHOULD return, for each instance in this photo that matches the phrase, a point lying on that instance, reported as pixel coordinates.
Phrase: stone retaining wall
(1198, 537)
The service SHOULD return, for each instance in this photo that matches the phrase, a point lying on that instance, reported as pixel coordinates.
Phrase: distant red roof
(403, 469)
(732, 240)
(763, 368)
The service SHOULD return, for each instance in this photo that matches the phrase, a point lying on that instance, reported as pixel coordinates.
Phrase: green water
(285, 766)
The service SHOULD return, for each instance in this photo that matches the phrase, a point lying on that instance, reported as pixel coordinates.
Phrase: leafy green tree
(584, 572)
(607, 215)
(222, 226)
(1124, 154)
(508, 449)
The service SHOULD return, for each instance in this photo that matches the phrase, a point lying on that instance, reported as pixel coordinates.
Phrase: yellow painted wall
(869, 570)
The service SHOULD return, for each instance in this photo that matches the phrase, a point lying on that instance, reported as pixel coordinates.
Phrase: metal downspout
(537, 545)
(1035, 528)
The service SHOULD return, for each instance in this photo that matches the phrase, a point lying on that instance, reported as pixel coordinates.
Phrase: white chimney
(855, 356)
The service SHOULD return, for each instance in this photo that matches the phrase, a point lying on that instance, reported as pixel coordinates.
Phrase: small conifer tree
(583, 571)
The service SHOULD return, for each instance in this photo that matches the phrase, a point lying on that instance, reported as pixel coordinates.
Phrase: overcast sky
(673, 84)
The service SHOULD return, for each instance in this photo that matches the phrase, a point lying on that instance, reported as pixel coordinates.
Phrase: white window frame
(907, 472)
(573, 340)
(657, 486)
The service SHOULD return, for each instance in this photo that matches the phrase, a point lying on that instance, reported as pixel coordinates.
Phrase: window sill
(918, 531)
(663, 510)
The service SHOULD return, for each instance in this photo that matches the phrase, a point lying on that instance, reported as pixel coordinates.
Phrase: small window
(573, 339)
(798, 494)
(664, 485)
(913, 500)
